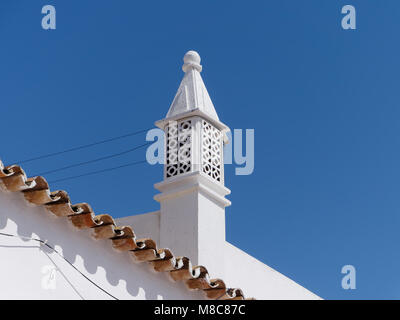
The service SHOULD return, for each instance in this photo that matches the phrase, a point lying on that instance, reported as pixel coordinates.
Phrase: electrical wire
(98, 171)
(48, 155)
(93, 160)
(62, 273)
(54, 250)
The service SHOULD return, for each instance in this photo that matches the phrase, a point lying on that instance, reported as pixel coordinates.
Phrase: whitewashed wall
(259, 280)
(239, 270)
(22, 262)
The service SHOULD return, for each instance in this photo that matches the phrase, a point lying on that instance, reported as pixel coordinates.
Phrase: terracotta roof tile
(37, 192)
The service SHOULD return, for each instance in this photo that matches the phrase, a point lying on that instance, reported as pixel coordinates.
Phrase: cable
(62, 273)
(81, 147)
(98, 171)
(94, 160)
(53, 249)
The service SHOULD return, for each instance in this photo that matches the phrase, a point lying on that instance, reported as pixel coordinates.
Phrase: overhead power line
(94, 160)
(59, 254)
(99, 171)
(53, 154)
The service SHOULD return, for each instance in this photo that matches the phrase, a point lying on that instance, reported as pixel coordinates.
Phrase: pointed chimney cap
(192, 98)
(191, 60)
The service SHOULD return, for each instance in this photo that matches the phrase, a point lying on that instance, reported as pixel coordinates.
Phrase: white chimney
(192, 198)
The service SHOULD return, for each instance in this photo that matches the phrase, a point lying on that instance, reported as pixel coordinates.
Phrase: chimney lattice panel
(178, 148)
(211, 158)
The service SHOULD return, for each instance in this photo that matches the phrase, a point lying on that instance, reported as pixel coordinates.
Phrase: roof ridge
(36, 191)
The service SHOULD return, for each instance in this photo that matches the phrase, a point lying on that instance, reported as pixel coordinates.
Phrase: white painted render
(238, 269)
(22, 261)
(258, 280)
(192, 220)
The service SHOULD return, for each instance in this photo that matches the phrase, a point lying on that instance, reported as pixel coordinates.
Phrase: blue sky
(324, 103)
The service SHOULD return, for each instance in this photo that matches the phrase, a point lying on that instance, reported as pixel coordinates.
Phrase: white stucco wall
(145, 225)
(193, 225)
(240, 270)
(22, 261)
(258, 280)
(25, 264)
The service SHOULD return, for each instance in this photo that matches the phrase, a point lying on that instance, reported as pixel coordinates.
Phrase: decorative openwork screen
(211, 158)
(178, 148)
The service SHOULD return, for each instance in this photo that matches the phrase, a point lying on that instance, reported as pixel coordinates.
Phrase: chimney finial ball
(191, 60)
(191, 57)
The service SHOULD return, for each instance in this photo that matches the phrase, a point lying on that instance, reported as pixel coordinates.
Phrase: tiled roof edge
(36, 191)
